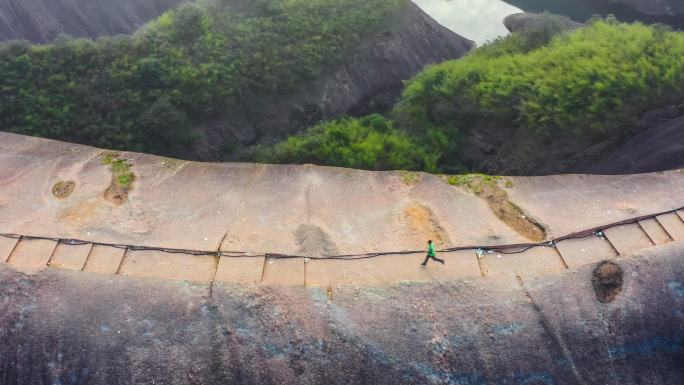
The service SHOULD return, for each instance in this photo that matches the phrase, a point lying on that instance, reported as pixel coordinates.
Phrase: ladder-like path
(28, 253)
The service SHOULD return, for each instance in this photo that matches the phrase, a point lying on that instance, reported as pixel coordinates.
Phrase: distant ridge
(41, 21)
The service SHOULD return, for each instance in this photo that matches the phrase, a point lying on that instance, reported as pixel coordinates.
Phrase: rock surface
(656, 7)
(263, 206)
(41, 21)
(369, 79)
(660, 147)
(522, 21)
(63, 327)
(131, 316)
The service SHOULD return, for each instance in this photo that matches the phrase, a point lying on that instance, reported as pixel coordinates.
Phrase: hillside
(203, 80)
(40, 21)
(540, 101)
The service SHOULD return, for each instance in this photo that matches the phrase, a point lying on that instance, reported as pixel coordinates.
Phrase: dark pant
(429, 257)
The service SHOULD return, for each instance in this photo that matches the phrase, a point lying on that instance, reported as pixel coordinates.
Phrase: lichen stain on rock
(607, 279)
(116, 194)
(62, 189)
(314, 242)
(422, 220)
(83, 212)
(487, 187)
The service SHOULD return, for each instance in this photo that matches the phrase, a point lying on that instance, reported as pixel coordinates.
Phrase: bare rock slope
(42, 20)
(83, 302)
(522, 21)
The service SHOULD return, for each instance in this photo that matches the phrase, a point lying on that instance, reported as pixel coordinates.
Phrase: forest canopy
(146, 91)
(587, 85)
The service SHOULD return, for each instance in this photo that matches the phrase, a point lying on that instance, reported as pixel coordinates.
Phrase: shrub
(369, 143)
(587, 84)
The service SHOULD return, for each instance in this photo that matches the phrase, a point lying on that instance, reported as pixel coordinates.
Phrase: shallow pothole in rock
(63, 189)
(607, 279)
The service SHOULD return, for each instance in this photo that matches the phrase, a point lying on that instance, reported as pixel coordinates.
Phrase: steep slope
(42, 20)
(660, 147)
(227, 72)
(569, 313)
(533, 104)
(368, 79)
(71, 327)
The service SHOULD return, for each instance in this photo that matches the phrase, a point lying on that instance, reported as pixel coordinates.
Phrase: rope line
(509, 249)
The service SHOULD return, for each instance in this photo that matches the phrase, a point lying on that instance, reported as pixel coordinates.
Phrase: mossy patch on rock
(488, 188)
(411, 178)
(62, 189)
(122, 178)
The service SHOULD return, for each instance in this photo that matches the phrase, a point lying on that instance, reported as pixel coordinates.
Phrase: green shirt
(431, 249)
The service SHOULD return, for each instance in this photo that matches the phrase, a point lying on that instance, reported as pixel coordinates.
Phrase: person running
(431, 254)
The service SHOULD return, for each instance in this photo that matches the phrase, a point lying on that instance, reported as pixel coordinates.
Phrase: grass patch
(474, 182)
(411, 178)
(121, 169)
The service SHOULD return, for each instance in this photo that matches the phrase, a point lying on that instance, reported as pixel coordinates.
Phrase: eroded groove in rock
(488, 188)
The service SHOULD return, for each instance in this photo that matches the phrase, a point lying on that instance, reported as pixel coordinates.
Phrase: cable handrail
(507, 249)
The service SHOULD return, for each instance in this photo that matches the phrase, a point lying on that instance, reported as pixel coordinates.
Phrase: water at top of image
(477, 20)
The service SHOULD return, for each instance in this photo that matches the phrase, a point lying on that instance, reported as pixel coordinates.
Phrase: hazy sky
(478, 20)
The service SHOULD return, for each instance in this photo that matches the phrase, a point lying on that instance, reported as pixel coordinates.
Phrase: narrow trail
(38, 252)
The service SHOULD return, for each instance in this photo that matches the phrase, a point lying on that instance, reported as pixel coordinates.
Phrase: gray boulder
(524, 21)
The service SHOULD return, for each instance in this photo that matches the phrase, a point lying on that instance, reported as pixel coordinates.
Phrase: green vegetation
(474, 182)
(368, 143)
(588, 84)
(121, 169)
(545, 85)
(411, 178)
(145, 92)
(470, 179)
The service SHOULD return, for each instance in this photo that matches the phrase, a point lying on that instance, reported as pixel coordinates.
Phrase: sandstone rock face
(659, 147)
(42, 20)
(94, 313)
(369, 79)
(64, 327)
(521, 21)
